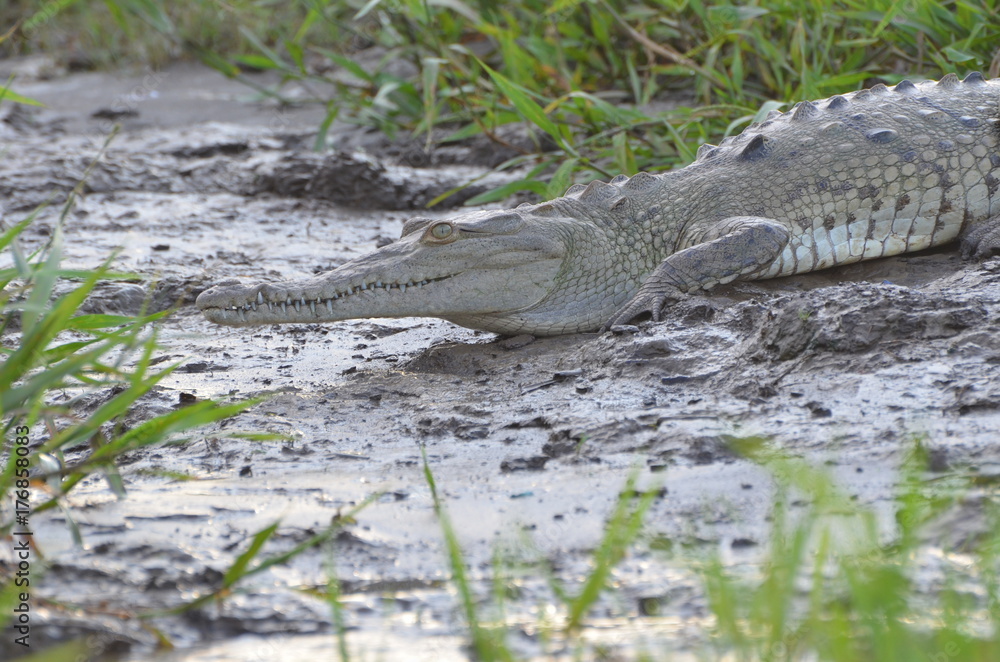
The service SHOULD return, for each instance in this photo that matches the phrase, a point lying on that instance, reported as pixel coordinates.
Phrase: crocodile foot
(982, 240)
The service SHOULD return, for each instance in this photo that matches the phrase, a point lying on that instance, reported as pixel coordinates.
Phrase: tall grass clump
(834, 587)
(53, 358)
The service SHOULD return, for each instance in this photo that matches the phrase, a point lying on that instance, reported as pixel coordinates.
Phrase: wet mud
(530, 440)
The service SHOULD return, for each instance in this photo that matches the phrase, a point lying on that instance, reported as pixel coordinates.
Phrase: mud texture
(530, 441)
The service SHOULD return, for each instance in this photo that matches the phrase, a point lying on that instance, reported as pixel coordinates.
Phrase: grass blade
(489, 645)
(528, 109)
(237, 570)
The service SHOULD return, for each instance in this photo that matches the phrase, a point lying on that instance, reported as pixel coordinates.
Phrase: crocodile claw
(651, 301)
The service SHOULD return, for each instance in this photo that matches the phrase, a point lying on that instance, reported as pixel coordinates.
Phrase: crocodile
(857, 176)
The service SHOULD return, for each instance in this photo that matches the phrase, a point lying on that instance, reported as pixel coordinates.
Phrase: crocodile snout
(225, 294)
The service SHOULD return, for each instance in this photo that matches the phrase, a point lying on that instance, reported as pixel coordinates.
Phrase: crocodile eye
(441, 231)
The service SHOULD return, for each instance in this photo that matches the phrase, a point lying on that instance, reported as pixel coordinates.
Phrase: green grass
(833, 588)
(88, 34)
(585, 73)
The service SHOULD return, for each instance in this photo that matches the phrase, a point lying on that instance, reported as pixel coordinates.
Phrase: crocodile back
(868, 174)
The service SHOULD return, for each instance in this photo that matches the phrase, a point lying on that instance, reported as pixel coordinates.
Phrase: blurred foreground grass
(71, 390)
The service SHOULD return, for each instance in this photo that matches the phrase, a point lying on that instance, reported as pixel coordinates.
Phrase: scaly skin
(868, 174)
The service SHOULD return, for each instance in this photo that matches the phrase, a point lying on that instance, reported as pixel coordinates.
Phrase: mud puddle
(530, 442)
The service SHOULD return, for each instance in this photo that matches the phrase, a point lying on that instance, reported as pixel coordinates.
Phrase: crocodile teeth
(243, 316)
(253, 304)
(378, 283)
(329, 306)
(402, 288)
(284, 308)
(270, 307)
(260, 298)
(298, 306)
(312, 307)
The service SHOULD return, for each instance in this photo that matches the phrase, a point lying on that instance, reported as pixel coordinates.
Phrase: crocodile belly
(900, 211)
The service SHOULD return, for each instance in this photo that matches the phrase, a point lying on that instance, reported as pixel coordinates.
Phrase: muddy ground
(531, 441)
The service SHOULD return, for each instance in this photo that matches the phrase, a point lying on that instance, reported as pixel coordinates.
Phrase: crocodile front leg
(742, 245)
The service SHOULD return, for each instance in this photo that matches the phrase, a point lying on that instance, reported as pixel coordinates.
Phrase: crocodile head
(504, 271)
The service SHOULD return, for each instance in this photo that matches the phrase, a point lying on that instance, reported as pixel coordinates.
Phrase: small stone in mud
(623, 329)
(655, 349)
(114, 113)
(160, 247)
(516, 342)
(560, 444)
(937, 460)
(536, 422)
(186, 398)
(536, 463)
(742, 543)
(817, 410)
(246, 471)
(202, 366)
(292, 450)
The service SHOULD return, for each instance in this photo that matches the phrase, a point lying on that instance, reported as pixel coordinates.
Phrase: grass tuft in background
(610, 86)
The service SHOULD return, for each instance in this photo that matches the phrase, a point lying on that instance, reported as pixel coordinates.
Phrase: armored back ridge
(857, 176)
